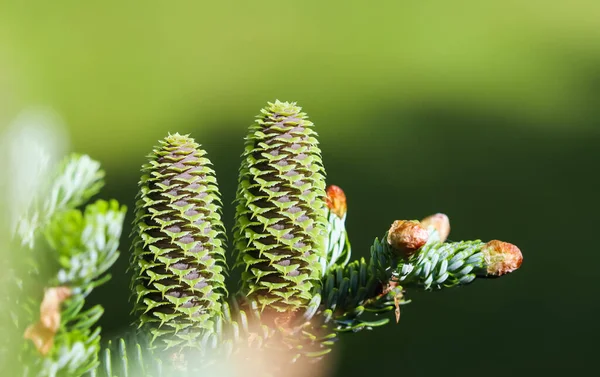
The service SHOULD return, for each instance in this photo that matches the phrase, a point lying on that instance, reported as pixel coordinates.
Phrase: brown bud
(407, 236)
(501, 257)
(42, 333)
(439, 222)
(336, 201)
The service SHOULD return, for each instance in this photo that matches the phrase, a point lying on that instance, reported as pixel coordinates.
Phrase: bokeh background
(487, 111)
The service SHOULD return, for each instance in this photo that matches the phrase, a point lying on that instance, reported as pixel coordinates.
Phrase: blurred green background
(487, 111)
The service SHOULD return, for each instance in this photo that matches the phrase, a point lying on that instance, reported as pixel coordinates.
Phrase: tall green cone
(281, 211)
(178, 251)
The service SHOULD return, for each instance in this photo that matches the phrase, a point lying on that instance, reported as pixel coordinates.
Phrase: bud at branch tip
(336, 201)
(407, 236)
(501, 257)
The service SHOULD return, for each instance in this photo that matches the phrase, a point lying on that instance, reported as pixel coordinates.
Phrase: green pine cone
(178, 251)
(281, 211)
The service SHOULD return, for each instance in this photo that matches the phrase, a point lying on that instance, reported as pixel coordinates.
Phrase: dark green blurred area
(488, 113)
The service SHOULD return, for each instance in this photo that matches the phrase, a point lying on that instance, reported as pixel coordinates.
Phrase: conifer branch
(299, 289)
(66, 252)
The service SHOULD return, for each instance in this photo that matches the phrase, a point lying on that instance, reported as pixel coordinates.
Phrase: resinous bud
(336, 201)
(407, 236)
(440, 223)
(501, 257)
